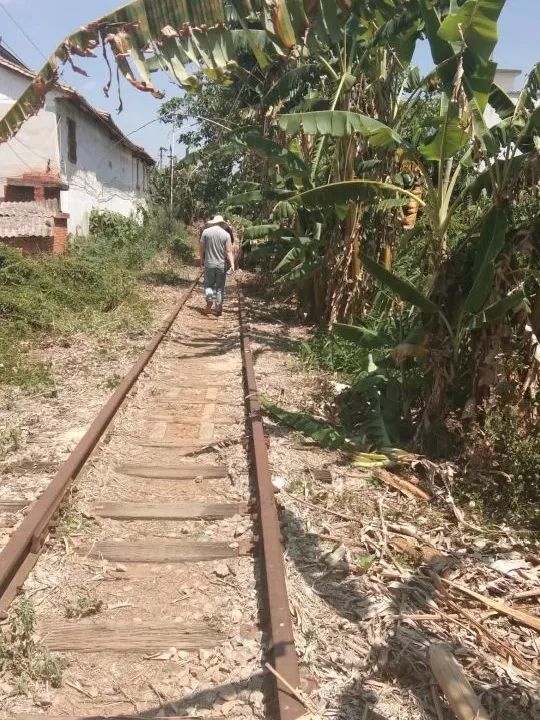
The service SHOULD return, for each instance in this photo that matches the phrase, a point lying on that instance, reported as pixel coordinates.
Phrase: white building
(69, 151)
(506, 80)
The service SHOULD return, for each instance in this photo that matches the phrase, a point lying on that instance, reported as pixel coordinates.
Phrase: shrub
(167, 233)
(60, 295)
(504, 464)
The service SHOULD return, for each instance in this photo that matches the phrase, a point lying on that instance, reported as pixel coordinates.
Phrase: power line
(23, 31)
(10, 50)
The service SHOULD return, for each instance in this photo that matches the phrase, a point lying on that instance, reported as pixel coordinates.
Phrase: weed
(19, 653)
(365, 562)
(504, 478)
(85, 606)
(297, 484)
(113, 381)
(10, 440)
(333, 353)
(70, 521)
(216, 623)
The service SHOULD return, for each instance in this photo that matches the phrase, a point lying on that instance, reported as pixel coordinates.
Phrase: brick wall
(60, 234)
(30, 245)
(18, 193)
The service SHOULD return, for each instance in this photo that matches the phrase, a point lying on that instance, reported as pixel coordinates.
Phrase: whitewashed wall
(35, 147)
(105, 174)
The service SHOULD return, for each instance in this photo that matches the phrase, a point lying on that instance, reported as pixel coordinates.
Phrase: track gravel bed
(195, 374)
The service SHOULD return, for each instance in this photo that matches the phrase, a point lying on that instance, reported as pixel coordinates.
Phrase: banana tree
(486, 281)
(182, 37)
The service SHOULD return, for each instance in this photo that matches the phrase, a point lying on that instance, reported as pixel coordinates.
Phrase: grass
(334, 354)
(93, 288)
(69, 520)
(10, 440)
(19, 653)
(85, 606)
(112, 382)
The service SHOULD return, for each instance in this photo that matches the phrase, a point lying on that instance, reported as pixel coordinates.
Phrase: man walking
(216, 252)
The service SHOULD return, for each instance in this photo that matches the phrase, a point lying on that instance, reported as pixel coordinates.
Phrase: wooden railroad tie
(162, 550)
(169, 511)
(185, 471)
(133, 637)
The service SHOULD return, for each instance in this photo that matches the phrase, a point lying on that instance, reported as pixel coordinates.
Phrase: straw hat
(216, 220)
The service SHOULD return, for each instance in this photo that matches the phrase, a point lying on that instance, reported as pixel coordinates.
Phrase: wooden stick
(454, 684)
(398, 483)
(320, 508)
(297, 693)
(494, 643)
(525, 594)
(521, 617)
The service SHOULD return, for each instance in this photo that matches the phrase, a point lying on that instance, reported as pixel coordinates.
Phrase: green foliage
(323, 433)
(19, 653)
(93, 285)
(10, 440)
(333, 353)
(504, 453)
(85, 606)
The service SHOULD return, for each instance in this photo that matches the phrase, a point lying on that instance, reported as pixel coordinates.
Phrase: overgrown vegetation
(21, 655)
(408, 228)
(406, 224)
(92, 288)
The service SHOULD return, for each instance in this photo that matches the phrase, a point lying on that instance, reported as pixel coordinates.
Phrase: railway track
(162, 590)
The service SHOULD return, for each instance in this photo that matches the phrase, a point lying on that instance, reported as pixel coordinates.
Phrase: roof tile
(27, 219)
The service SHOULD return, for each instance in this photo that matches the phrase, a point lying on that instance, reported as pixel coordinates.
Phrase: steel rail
(22, 550)
(285, 660)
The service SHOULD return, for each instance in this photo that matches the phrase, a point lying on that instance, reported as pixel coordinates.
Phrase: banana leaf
(491, 243)
(475, 25)
(361, 335)
(498, 310)
(346, 191)
(449, 139)
(340, 123)
(324, 434)
(183, 35)
(399, 286)
(291, 162)
(257, 232)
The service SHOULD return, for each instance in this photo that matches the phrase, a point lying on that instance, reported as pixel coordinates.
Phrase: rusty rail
(284, 657)
(22, 550)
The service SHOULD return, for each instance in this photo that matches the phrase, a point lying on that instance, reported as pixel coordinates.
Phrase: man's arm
(230, 255)
(201, 250)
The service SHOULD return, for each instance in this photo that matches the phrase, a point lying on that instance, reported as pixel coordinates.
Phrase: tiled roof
(27, 219)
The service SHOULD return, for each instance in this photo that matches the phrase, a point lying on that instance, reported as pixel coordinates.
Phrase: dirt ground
(363, 561)
(40, 430)
(75, 587)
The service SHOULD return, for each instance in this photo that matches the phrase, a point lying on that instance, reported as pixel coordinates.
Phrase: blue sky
(47, 22)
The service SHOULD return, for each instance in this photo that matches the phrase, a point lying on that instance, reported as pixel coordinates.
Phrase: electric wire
(23, 31)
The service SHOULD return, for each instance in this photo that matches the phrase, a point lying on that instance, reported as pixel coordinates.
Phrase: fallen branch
(298, 694)
(521, 617)
(320, 508)
(454, 684)
(215, 446)
(408, 488)
(494, 643)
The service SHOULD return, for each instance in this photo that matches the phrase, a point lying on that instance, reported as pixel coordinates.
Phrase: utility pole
(161, 151)
(172, 156)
